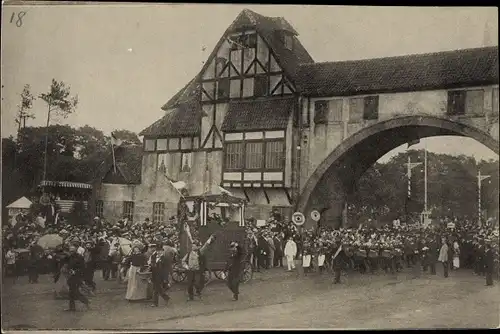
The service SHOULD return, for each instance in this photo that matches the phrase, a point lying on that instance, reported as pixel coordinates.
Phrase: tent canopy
(21, 203)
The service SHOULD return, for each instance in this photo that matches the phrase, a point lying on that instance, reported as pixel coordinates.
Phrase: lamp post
(480, 178)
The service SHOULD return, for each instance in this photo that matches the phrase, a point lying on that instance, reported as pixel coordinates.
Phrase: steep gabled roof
(182, 121)
(449, 69)
(267, 27)
(128, 163)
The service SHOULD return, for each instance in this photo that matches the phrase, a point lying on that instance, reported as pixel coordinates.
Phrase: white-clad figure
(290, 253)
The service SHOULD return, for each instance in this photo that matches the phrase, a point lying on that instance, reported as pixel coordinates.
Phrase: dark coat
(263, 245)
(278, 252)
(158, 267)
(76, 266)
(234, 263)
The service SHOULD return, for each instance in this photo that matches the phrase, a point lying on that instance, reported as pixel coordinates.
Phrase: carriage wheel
(178, 276)
(220, 274)
(247, 273)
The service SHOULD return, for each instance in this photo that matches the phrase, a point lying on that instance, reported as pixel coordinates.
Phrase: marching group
(149, 261)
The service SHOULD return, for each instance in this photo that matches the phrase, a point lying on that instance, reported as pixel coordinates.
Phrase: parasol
(125, 245)
(50, 241)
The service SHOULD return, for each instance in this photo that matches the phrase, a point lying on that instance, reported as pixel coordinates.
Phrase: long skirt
(137, 287)
(456, 262)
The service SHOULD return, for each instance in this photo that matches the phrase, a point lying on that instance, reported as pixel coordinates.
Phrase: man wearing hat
(76, 267)
(157, 263)
(233, 267)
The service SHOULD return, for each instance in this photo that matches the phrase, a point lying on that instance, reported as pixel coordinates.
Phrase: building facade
(261, 116)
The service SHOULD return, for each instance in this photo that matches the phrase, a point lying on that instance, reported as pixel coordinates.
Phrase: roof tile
(268, 114)
(439, 70)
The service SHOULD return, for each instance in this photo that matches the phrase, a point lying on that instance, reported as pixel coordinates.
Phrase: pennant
(225, 191)
(115, 141)
(413, 142)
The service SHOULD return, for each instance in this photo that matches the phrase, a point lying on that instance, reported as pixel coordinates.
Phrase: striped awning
(65, 184)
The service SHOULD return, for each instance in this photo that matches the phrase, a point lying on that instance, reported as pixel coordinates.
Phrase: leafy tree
(23, 111)
(127, 136)
(58, 101)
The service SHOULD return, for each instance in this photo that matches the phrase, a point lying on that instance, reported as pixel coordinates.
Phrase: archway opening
(337, 178)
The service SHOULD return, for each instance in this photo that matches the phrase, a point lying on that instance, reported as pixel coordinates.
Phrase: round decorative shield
(298, 218)
(315, 215)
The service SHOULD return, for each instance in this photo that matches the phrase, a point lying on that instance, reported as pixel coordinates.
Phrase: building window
(474, 102)
(128, 210)
(158, 212)
(321, 112)
(162, 144)
(233, 158)
(149, 145)
(99, 208)
(456, 102)
(253, 155)
(223, 86)
(275, 154)
(363, 108)
(235, 89)
(494, 101)
(288, 41)
(186, 162)
(261, 85)
(370, 111)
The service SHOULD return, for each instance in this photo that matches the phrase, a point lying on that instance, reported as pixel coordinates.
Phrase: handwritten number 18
(19, 21)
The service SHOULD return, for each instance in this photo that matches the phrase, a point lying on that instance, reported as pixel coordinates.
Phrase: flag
(225, 191)
(178, 185)
(115, 141)
(413, 142)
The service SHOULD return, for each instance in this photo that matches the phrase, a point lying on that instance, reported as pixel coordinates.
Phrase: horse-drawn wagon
(221, 215)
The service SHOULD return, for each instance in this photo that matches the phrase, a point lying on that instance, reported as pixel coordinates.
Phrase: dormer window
(288, 41)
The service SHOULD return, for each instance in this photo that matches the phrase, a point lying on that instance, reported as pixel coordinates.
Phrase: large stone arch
(333, 179)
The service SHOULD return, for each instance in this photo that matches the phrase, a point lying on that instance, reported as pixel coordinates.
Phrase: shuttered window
(370, 111)
(253, 156)
(275, 154)
(356, 109)
(158, 212)
(261, 85)
(474, 102)
(233, 158)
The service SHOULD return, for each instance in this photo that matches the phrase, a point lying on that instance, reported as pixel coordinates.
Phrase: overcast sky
(126, 61)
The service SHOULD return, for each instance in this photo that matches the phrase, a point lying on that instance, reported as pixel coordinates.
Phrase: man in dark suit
(233, 267)
(36, 252)
(76, 269)
(489, 262)
(278, 252)
(157, 263)
(170, 254)
(263, 251)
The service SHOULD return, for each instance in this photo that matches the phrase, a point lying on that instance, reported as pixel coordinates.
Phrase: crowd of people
(148, 262)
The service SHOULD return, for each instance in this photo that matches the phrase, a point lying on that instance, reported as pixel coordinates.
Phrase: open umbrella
(50, 241)
(125, 245)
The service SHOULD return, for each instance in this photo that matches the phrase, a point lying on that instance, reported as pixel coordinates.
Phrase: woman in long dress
(137, 286)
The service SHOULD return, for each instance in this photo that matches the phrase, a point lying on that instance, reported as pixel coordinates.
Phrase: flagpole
(113, 152)
(425, 179)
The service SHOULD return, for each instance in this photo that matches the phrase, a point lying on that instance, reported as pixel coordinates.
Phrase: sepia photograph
(208, 167)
